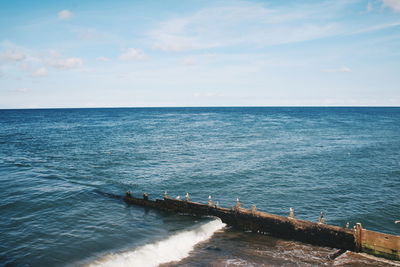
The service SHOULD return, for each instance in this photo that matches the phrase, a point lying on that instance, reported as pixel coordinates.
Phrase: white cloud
(34, 62)
(65, 14)
(12, 55)
(40, 72)
(57, 61)
(393, 4)
(104, 59)
(245, 23)
(132, 54)
(341, 69)
(68, 63)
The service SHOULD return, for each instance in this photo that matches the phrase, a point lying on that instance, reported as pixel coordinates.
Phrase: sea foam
(173, 248)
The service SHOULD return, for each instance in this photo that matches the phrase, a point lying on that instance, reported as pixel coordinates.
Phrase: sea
(58, 168)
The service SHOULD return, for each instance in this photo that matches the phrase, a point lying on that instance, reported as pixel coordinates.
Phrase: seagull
(178, 197)
(398, 221)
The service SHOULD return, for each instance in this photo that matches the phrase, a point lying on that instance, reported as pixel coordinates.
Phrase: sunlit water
(342, 161)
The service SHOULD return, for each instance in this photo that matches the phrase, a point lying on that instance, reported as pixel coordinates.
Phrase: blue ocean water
(53, 162)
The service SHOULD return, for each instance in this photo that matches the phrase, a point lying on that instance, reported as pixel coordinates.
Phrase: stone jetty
(316, 233)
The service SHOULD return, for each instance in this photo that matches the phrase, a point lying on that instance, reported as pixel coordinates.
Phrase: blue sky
(199, 53)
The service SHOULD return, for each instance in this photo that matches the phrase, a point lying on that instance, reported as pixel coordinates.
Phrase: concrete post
(321, 219)
(253, 209)
(210, 203)
(291, 213)
(237, 206)
(358, 236)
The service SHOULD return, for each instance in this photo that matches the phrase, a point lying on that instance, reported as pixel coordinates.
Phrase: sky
(121, 53)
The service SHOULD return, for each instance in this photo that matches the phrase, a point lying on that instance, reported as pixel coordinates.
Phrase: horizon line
(233, 106)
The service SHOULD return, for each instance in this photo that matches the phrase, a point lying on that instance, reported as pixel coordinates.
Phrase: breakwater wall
(357, 239)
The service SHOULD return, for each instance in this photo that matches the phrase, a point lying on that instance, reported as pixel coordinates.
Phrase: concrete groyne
(357, 239)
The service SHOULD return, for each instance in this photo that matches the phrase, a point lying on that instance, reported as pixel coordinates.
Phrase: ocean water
(55, 165)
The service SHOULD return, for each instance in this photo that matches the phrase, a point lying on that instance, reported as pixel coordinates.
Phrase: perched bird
(178, 197)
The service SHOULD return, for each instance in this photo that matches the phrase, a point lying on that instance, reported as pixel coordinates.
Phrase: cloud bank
(233, 25)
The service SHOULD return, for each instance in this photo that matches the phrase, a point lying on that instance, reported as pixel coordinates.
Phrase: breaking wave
(174, 248)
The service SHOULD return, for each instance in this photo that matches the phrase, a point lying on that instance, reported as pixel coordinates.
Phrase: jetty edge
(315, 233)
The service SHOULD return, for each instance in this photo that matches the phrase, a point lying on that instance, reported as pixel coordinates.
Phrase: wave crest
(174, 248)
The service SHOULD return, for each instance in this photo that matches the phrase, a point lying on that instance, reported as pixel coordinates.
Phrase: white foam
(174, 248)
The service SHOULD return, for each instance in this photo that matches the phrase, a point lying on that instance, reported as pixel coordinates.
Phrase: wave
(174, 248)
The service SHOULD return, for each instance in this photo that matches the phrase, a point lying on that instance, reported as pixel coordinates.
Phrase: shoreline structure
(321, 234)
